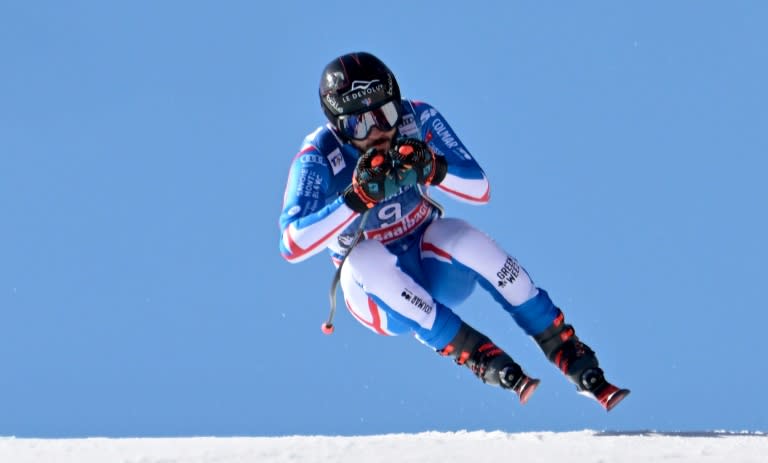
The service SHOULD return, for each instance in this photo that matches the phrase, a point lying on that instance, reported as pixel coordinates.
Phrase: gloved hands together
(378, 175)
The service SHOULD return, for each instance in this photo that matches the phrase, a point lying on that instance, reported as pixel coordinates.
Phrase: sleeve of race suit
(312, 214)
(465, 179)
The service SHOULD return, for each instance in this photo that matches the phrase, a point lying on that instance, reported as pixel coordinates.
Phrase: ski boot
(489, 363)
(578, 362)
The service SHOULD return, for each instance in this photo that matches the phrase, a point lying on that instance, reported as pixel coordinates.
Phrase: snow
(442, 447)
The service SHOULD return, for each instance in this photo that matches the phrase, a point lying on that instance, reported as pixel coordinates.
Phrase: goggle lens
(358, 126)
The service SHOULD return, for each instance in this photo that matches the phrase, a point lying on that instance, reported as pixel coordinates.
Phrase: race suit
(412, 265)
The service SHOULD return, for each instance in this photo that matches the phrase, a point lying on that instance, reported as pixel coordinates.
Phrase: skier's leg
(368, 313)
(388, 301)
(573, 357)
(459, 244)
(452, 247)
(375, 288)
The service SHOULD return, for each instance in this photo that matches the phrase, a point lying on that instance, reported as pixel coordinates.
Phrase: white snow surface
(442, 447)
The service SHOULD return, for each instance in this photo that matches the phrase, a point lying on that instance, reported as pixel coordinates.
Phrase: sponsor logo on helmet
(362, 85)
(333, 103)
(362, 89)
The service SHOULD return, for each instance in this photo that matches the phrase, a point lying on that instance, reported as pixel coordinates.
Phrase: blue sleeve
(465, 180)
(313, 212)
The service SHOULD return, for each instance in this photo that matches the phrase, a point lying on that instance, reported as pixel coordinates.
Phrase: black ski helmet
(355, 83)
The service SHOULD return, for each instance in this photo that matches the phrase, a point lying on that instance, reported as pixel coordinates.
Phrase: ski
(607, 395)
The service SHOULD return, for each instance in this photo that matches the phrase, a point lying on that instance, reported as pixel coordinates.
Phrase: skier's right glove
(371, 181)
(417, 163)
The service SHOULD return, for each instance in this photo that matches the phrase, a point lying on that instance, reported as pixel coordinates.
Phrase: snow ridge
(426, 447)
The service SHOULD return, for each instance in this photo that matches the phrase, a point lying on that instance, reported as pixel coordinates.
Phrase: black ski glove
(371, 181)
(416, 163)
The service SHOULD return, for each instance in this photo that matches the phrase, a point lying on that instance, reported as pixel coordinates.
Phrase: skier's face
(378, 139)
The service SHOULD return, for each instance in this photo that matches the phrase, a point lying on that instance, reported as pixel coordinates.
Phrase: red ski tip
(526, 389)
(327, 328)
(611, 397)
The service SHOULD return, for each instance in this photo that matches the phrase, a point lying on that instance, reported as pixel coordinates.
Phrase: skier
(359, 187)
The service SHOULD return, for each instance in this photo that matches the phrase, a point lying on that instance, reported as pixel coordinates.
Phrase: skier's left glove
(416, 163)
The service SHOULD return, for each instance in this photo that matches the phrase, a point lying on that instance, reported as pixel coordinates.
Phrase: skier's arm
(465, 179)
(311, 217)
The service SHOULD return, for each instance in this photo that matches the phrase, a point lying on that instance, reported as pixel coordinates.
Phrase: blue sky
(143, 153)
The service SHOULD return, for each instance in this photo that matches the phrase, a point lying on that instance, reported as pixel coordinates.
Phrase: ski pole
(327, 326)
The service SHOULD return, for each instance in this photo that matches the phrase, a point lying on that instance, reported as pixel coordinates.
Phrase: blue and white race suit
(413, 264)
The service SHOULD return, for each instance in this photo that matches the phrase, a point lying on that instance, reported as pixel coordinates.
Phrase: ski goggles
(358, 126)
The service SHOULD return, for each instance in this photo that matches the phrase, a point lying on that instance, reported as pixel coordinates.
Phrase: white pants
(393, 294)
